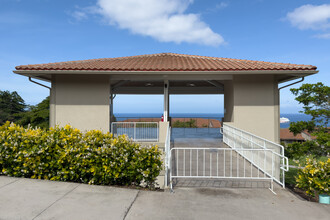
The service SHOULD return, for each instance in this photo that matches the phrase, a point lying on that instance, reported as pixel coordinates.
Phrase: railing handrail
(132, 117)
(271, 142)
(217, 148)
(261, 146)
(135, 126)
(229, 149)
(235, 134)
(130, 122)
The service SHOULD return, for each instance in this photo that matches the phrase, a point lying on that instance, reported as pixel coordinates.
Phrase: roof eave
(293, 77)
(297, 73)
(284, 75)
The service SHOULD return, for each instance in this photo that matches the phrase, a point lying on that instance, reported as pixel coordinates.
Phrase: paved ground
(39, 199)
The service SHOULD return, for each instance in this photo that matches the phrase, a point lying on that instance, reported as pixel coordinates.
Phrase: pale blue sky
(41, 31)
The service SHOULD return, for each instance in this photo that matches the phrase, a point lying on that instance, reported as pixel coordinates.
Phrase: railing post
(272, 165)
(234, 138)
(157, 132)
(283, 173)
(265, 166)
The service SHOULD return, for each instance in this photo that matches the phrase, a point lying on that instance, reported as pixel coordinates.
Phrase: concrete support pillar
(277, 113)
(111, 110)
(255, 105)
(166, 101)
(112, 96)
(81, 101)
(52, 105)
(228, 101)
(162, 132)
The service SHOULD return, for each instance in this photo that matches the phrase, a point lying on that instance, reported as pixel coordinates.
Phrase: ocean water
(123, 116)
(294, 118)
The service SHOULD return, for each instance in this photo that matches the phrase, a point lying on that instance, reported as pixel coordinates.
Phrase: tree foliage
(14, 109)
(185, 124)
(316, 103)
(36, 116)
(11, 105)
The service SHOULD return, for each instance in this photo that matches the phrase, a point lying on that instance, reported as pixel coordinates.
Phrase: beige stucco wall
(81, 101)
(253, 105)
(52, 106)
(162, 131)
(228, 101)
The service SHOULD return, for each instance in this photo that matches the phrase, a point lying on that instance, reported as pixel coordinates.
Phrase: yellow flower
(67, 127)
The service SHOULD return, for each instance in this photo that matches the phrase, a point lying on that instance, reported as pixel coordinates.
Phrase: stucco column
(82, 101)
(52, 104)
(166, 100)
(255, 105)
(277, 113)
(228, 101)
(112, 96)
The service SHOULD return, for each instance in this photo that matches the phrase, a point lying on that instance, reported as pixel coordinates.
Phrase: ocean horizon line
(154, 113)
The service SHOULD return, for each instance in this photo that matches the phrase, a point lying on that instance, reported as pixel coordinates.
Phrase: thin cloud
(163, 20)
(221, 5)
(316, 17)
(79, 15)
(216, 8)
(323, 36)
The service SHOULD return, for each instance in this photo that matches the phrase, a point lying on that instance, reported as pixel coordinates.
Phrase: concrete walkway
(39, 199)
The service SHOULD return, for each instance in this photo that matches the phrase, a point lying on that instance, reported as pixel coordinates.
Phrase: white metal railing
(219, 163)
(241, 141)
(167, 153)
(138, 131)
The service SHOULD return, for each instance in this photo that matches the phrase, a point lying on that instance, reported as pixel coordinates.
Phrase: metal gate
(137, 131)
(220, 163)
(244, 159)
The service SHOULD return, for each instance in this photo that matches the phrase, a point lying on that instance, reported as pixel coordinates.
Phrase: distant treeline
(185, 124)
(14, 109)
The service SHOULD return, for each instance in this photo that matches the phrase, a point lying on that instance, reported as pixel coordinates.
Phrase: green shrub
(297, 150)
(315, 177)
(185, 124)
(66, 154)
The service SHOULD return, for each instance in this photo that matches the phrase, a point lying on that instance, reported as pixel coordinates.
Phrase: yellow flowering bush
(66, 154)
(314, 177)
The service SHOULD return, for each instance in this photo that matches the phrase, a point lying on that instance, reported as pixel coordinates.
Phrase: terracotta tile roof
(166, 62)
(285, 134)
(309, 134)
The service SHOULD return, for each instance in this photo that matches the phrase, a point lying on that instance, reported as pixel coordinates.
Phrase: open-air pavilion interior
(82, 92)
